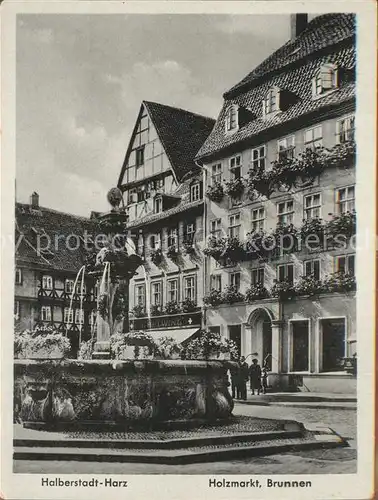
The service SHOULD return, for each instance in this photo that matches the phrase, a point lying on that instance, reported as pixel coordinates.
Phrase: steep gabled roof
(336, 46)
(322, 32)
(58, 226)
(181, 133)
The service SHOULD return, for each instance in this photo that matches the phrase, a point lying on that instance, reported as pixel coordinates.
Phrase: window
(155, 241)
(216, 227)
(345, 200)
(216, 282)
(286, 148)
(235, 167)
(68, 315)
(69, 285)
(299, 346)
(95, 291)
(17, 309)
(312, 206)
(258, 218)
(189, 288)
(45, 313)
(345, 129)
(140, 295)
(156, 294)
(333, 343)
(172, 286)
(231, 119)
(18, 276)
(214, 329)
(234, 226)
(139, 156)
(47, 282)
(312, 268)
(325, 80)
(271, 101)
(216, 174)
(79, 317)
(133, 197)
(172, 237)
(285, 272)
(235, 280)
(285, 212)
(257, 276)
(313, 138)
(158, 205)
(189, 232)
(258, 158)
(195, 192)
(345, 264)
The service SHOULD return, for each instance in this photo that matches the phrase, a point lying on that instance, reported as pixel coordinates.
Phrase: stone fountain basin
(124, 392)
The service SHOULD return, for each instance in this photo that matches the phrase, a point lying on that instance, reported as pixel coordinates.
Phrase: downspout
(204, 230)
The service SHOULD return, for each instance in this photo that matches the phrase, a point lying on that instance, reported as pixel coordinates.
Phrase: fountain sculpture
(119, 392)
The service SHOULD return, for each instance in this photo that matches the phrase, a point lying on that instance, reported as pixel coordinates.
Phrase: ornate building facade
(50, 249)
(163, 194)
(279, 166)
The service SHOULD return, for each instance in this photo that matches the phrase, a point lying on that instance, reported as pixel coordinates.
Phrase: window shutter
(261, 276)
(316, 269)
(341, 264)
(308, 268)
(281, 273)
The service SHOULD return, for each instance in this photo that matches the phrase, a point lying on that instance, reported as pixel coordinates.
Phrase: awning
(179, 335)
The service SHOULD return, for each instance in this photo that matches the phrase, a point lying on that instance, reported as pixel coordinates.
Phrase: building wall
(180, 268)
(299, 308)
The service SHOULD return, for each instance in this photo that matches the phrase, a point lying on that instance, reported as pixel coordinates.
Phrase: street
(329, 461)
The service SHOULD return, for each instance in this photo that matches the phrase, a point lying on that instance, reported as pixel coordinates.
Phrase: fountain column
(116, 274)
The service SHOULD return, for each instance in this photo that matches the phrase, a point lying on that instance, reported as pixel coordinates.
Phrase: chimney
(298, 23)
(34, 200)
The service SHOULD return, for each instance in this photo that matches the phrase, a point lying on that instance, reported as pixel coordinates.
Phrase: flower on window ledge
(308, 285)
(235, 188)
(172, 307)
(156, 310)
(172, 252)
(188, 247)
(232, 295)
(139, 311)
(256, 292)
(340, 282)
(215, 247)
(188, 305)
(342, 225)
(157, 256)
(283, 290)
(214, 298)
(215, 192)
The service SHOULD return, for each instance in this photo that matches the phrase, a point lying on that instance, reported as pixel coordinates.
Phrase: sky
(80, 80)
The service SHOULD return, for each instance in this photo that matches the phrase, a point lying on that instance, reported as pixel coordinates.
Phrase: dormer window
(232, 119)
(325, 80)
(158, 205)
(271, 101)
(195, 192)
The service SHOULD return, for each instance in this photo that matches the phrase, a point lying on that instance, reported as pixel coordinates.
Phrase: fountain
(119, 392)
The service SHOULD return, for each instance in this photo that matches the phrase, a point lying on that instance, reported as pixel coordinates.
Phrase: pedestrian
(243, 377)
(264, 378)
(234, 371)
(255, 377)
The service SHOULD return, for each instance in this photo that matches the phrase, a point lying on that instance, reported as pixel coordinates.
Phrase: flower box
(215, 192)
(53, 352)
(235, 188)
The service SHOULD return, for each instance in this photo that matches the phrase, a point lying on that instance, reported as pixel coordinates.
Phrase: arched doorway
(261, 333)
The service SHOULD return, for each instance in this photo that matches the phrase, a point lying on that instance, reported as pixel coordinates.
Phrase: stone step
(203, 440)
(175, 456)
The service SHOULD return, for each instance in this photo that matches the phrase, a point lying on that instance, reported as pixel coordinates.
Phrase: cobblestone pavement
(331, 461)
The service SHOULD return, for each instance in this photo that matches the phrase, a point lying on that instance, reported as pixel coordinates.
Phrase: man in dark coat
(255, 377)
(243, 377)
(234, 371)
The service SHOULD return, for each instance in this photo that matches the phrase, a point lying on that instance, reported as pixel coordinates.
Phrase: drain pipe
(204, 233)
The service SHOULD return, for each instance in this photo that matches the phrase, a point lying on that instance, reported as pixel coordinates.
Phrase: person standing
(243, 377)
(234, 372)
(255, 377)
